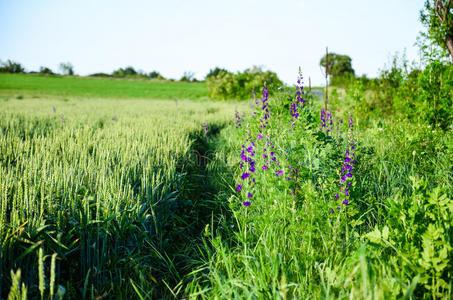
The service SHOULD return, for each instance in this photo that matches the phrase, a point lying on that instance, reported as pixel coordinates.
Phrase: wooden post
(327, 72)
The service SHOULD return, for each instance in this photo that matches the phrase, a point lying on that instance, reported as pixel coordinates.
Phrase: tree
(155, 75)
(339, 66)
(214, 72)
(66, 68)
(11, 67)
(188, 76)
(128, 71)
(437, 17)
(45, 71)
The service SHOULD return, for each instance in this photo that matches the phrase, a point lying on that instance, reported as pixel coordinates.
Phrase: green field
(39, 85)
(138, 199)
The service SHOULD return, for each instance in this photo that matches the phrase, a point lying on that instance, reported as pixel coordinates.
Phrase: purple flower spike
(246, 203)
(245, 175)
(239, 188)
(345, 201)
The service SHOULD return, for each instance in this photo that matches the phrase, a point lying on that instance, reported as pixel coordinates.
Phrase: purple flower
(346, 192)
(246, 203)
(259, 136)
(239, 188)
(272, 153)
(250, 149)
(345, 201)
(264, 168)
(287, 178)
(250, 195)
(336, 196)
(280, 173)
(252, 169)
(245, 175)
(331, 210)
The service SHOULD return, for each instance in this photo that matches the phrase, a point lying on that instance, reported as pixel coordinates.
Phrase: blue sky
(174, 36)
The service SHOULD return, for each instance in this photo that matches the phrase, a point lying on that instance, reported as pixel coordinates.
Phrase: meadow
(272, 198)
(91, 87)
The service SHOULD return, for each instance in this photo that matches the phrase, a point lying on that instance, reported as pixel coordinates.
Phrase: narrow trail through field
(201, 205)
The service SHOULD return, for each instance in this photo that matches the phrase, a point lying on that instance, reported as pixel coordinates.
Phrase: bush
(11, 67)
(45, 71)
(228, 85)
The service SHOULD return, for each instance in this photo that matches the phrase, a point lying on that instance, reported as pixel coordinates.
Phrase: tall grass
(100, 183)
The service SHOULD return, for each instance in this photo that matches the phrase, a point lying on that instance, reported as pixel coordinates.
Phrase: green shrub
(228, 85)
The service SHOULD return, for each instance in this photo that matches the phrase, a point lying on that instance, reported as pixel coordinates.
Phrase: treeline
(222, 84)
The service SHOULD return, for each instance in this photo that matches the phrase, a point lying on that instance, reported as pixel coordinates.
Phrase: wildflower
(246, 203)
(259, 136)
(238, 119)
(245, 175)
(239, 188)
(250, 195)
(206, 129)
(288, 178)
(264, 168)
(414, 152)
(280, 173)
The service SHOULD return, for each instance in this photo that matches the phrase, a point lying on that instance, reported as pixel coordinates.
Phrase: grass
(88, 87)
(105, 185)
(128, 198)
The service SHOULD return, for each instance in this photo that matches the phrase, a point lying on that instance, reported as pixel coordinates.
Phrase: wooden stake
(327, 83)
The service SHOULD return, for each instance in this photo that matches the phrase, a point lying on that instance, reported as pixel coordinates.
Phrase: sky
(174, 36)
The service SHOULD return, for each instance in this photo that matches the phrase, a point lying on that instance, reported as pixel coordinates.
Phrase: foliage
(188, 76)
(66, 68)
(123, 72)
(437, 17)
(11, 67)
(339, 68)
(155, 75)
(214, 72)
(228, 85)
(45, 71)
